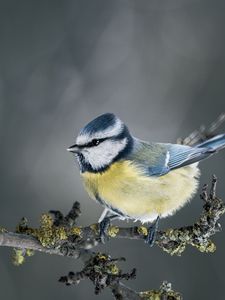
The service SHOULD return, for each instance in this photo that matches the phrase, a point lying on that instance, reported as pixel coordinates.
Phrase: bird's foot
(103, 228)
(152, 230)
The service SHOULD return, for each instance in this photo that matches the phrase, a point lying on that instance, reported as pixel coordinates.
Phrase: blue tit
(134, 179)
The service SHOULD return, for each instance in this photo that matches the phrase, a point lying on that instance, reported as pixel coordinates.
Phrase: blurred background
(158, 65)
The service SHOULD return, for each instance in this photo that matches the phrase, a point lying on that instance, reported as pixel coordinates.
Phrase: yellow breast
(124, 187)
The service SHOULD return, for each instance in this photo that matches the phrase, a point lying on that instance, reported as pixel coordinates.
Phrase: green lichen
(95, 228)
(46, 221)
(158, 295)
(113, 269)
(101, 256)
(18, 257)
(48, 234)
(184, 236)
(2, 230)
(208, 247)
(29, 252)
(179, 238)
(112, 231)
(165, 292)
(175, 250)
(76, 231)
(60, 233)
(151, 295)
(142, 230)
(45, 233)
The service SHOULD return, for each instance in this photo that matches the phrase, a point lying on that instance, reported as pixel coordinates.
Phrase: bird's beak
(74, 149)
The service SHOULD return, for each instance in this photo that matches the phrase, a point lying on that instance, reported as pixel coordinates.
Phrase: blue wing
(177, 156)
(181, 156)
(157, 159)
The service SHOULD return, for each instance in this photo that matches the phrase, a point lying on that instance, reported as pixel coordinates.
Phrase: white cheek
(104, 153)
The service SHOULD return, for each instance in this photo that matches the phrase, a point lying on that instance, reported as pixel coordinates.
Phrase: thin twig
(203, 133)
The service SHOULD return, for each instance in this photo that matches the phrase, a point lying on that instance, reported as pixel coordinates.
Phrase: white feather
(167, 158)
(148, 218)
(103, 154)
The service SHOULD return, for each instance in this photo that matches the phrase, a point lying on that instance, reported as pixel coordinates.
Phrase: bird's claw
(152, 230)
(103, 228)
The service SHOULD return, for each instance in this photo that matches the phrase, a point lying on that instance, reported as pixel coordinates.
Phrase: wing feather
(157, 159)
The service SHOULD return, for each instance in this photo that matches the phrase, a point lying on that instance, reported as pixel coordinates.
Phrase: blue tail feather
(180, 156)
(215, 144)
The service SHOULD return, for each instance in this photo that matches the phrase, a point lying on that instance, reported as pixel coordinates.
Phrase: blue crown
(99, 124)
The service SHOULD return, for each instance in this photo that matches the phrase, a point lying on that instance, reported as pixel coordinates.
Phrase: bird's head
(101, 142)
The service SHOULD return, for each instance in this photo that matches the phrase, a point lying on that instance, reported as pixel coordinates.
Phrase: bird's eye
(95, 142)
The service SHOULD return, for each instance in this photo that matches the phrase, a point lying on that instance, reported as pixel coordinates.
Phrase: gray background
(159, 65)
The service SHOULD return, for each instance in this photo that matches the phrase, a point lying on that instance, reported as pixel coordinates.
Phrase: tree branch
(67, 240)
(74, 239)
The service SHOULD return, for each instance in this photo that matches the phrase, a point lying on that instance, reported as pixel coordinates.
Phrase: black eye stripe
(94, 142)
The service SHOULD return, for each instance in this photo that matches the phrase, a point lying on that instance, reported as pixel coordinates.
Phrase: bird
(134, 179)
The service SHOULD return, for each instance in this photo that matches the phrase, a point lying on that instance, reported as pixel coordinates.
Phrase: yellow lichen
(29, 252)
(45, 239)
(208, 247)
(185, 236)
(76, 231)
(60, 233)
(142, 230)
(48, 234)
(46, 221)
(101, 256)
(2, 230)
(151, 295)
(175, 250)
(18, 257)
(112, 231)
(157, 295)
(211, 247)
(113, 269)
(95, 228)
(172, 234)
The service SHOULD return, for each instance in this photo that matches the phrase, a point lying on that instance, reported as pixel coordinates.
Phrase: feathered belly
(125, 188)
